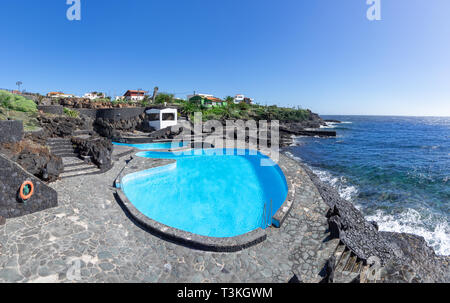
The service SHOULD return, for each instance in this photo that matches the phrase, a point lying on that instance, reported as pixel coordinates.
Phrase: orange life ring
(30, 193)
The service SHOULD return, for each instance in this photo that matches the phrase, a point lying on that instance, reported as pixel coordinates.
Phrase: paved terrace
(90, 228)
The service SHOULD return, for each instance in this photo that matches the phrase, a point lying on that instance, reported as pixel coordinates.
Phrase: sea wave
(412, 222)
(345, 190)
(408, 221)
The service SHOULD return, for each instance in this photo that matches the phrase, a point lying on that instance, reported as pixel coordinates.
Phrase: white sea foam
(347, 192)
(329, 125)
(411, 221)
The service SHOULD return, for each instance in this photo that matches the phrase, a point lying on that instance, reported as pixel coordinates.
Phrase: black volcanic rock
(34, 158)
(12, 177)
(115, 129)
(404, 257)
(166, 133)
(62, 126)
(98, 149)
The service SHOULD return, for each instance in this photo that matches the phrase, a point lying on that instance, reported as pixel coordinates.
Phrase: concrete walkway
(88, 238)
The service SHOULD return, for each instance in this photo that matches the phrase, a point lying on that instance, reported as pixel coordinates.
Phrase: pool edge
(213, 244)
(232, 244)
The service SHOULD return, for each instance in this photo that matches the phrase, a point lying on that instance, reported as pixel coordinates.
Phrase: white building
(162, 118)
(94, 95)
(135, 95)
(59, 95)
(238, 99)
(242, 99)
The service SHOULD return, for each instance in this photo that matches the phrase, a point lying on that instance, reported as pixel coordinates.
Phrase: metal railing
(266, 219)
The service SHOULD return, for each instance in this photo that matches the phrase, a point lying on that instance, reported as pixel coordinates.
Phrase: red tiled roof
(214, 99)
(129, 92)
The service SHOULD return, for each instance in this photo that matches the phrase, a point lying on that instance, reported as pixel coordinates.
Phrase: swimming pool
(159, 145)
(214, 192)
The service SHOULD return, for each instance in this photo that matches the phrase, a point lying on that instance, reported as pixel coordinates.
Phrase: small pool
(159, 145)
(212, 192)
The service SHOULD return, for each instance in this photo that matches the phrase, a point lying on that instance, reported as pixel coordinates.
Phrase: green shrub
(16, 102)
(71, 113)
(164, 98)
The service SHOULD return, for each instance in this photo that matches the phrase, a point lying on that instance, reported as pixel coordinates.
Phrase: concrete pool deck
(90, 229)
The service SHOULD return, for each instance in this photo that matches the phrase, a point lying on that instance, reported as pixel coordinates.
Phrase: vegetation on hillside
(71, 113)
(16, 107)
(17, 103)
(245, 112)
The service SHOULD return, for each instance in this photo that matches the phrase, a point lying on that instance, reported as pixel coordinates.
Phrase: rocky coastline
(404, 258)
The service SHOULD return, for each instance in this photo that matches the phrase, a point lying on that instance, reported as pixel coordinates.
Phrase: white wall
(160, 124)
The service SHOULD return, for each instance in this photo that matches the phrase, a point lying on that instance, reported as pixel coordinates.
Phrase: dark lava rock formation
(98, 150)
(404, 257)
(11, 178)
(115, 129)
(62, 126)
(34, 158)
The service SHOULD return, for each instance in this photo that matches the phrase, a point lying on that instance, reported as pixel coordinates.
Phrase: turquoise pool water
(161, 145)
(209, 192)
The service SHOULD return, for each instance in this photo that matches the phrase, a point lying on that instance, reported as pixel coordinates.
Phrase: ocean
(395, 170)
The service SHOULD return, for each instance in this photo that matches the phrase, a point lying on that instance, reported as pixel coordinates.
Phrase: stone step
(82, 132)
(53, 144)
(80, 172)
(60, 146)
(338, 252)
(66, 155)
(73, 164)
(345, 277)
(340, 264)
(350, 263)
(358, 266)
(363, 276)
(58, 140)
(62, 150)
(69, 169)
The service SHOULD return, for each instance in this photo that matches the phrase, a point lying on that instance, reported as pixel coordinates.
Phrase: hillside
(15, 107)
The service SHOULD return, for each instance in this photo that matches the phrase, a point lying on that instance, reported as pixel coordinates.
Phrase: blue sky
(323, 54)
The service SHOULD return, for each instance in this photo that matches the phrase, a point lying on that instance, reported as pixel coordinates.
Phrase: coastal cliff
(405, 258)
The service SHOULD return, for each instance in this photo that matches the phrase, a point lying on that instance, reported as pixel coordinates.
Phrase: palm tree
(155, 92)
(19, 83)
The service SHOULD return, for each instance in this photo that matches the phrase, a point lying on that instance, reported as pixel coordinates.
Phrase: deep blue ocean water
(394, 169)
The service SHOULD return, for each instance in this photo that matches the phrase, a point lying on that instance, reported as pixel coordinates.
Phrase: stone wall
(114, 114)
(52, 109)
(11, 178)
(11, 131)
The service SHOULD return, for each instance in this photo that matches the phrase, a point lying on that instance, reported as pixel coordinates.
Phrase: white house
(238, 99)
(94, 95)
(135, 95)
(59, 95)
(162, 118)
(242, 99)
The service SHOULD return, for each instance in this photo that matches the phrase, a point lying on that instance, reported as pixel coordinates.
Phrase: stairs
(61, 147)
(349, 268)
(73, 165)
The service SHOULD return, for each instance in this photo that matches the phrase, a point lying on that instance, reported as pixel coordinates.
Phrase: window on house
(153, 117)
(168, 117)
